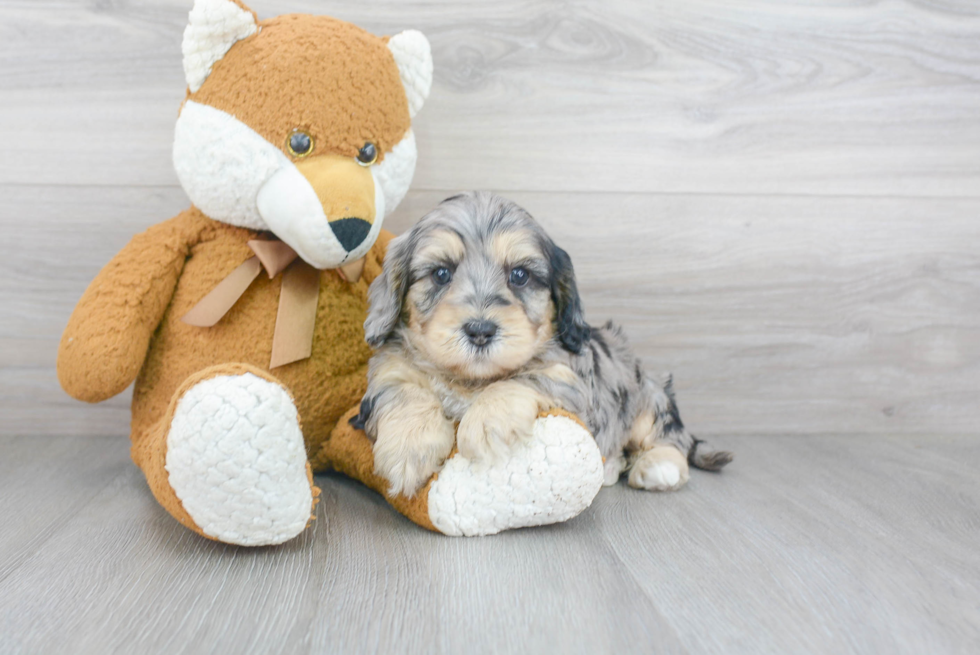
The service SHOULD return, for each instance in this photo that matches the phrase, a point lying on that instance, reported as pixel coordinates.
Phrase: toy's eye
(442, 276)
(300, 143)
(519, 276)
(367, 155)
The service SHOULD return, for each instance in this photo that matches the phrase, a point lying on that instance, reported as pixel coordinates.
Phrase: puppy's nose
(480, 332)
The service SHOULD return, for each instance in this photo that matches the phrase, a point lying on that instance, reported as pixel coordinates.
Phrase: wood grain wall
(779, 199)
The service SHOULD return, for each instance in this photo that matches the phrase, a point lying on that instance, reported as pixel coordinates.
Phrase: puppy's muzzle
(480, 332)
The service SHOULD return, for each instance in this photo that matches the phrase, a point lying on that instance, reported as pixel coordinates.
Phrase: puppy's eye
(299, 143)
(442, 276)
(367, 155)
(519, 276)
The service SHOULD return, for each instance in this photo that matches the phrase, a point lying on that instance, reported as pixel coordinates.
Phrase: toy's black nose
(351, 232)
(480, 332)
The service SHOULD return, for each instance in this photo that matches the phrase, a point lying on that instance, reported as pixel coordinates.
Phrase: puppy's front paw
(407, 454)
(489, 429)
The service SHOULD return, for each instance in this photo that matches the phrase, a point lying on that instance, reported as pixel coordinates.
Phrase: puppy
(477, 321)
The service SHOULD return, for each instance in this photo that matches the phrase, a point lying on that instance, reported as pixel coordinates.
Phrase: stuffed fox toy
(241, 319)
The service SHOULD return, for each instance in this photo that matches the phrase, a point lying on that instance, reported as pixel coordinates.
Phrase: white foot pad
(661, 469)
(237, 461)
(551, 478)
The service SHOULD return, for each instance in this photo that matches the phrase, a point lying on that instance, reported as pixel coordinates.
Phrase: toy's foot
(237, 461)
(548, 479)
(662, 468)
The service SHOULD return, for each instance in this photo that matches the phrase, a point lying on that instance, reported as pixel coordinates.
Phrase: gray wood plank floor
(778, 199)
(826, 544)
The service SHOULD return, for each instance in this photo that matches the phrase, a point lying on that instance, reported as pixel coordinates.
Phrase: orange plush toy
(240, 319)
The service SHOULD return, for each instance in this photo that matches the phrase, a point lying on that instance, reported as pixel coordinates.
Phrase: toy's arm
(105, 342)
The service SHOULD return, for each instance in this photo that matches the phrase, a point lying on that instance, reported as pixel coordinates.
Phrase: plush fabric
(225, 463)
(213, 27)
(411, 52)
(549, 479)
(228, 445)
(214, 152)
(330, 78)
(394, 174)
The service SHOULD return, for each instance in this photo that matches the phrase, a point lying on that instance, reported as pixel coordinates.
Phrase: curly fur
(541, 352)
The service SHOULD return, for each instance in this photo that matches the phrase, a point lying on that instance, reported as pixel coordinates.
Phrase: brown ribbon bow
(296, 317)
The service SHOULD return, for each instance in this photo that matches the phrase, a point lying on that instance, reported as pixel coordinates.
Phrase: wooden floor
(780, 201)
(825, 544)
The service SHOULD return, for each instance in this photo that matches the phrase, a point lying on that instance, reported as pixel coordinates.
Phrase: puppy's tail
(700, 454)
(703, 456)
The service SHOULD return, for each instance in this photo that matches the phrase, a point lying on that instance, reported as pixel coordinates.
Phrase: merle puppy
(477, 321)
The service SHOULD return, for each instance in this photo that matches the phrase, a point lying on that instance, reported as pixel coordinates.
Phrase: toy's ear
(214, 26)
(414, 58)
(388, 291)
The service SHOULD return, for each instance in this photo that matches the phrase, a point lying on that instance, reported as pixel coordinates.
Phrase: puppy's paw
(501, 417)
(612, 468)
(405, 474)
(407, 453)
(663, 468)
(492, 426)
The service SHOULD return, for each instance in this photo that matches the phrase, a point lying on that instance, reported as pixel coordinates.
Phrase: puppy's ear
(571, 327)
(387, 293)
